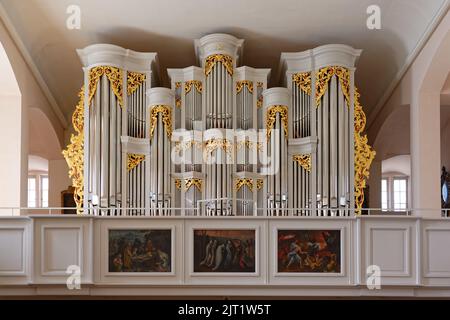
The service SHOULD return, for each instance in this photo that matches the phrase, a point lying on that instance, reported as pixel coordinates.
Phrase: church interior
(236, 149)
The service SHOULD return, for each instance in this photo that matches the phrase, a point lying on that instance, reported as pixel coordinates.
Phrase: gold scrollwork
(133, 160)
(134, 81)
(259, 100)
(364, 154)
(166, 114)
(196, 83)
(179, 146)
(248, 144)
(304, 160)
(214, 144)
(303, 81)
(74, 153)
(243, 182)
(244, 83)
(259, 184)
(188, 183)
(177, 85)
(114, 76)
(271, 116)
(212, 60)
(324, 75)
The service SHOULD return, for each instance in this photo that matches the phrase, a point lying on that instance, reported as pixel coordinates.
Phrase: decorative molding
(188, 183)
(114, 76)
(303, 81)
(243, 182)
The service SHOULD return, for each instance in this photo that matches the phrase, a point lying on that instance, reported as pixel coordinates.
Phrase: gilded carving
(166, 114)
(189, 84)
(212, 60)
(304, 160)
(243, 182)
(114, 76)
(303, 81)
(133, 160)
(271, 116)
(134, 81)
(244, 83)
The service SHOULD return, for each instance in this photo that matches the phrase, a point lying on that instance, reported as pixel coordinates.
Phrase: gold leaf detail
(212, 60)
(303, 81)
(134, 81)
(243, 182)
(133, 160)
(196, 83)
(304, 160)
(259, 184)
(244, 83)
(271, 116)
(114, 76)
(166, 114)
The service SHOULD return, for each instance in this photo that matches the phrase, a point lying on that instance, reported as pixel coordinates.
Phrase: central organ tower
(219, 142)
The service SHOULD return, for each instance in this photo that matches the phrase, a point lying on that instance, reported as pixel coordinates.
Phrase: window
(400, 194)
(38, 185)
(384, 194)
(32, 192)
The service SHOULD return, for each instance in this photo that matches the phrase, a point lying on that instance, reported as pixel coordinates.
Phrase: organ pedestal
(219, 142)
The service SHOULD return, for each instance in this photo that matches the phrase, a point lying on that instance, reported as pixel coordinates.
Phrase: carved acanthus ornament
(324, 75)
(214, 144)
(244, 83)
(188, 183)
(303, 81)
(134, 81)
(259, 184)
(114, 76)
(189, 84)
(364, 154)
(212, 60)
(185, 145)
(166, 114)
(271, 117)
(304, 160)
(74, 154)
(243, 182)
(133, 160)
(260, 98)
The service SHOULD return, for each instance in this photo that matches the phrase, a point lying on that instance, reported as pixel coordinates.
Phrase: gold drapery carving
(188, 183)
(303, 81)
(259, 100)
(133, 160)
(271, 116)
(364, 154)
(114, 76)
(244, 83)
(324, 75)
(243, 182)
(304, 160)
(212, 60)
(166, 114)
(189, 84)
(134, 81)
(74, 153)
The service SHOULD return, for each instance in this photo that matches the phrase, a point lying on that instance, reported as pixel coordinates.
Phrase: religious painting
(309, 251)
(140, 250)
(228, 250)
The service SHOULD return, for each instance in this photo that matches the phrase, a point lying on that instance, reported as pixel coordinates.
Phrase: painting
(227, 250)
(140, 250)
(309, 251)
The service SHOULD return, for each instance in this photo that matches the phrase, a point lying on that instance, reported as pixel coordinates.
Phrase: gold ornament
(259, 184)
(271, 116)
(244, 83)
(303, 81)
(188, 183)
(134, 81)
(214, 144)
(212, 60)
(243, 182)
(196, 83)
(179, 146)
(177, 85)
(74, 154)
(178, 184)
(133, 160)
(304, 160)
(259, 100)
(364, 154)
(166, 114)
(114, 76)
(324, 75)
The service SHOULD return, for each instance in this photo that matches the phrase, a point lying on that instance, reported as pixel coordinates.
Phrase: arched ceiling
(268, 27)
(8, 82)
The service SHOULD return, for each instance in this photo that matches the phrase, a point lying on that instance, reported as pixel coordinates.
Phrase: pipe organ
(219, 142)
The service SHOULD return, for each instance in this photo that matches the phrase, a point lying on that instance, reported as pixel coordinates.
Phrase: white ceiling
(269, 27)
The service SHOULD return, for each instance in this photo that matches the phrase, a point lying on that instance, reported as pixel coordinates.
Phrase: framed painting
(140, 250)
(309, 251)
(224, 250)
